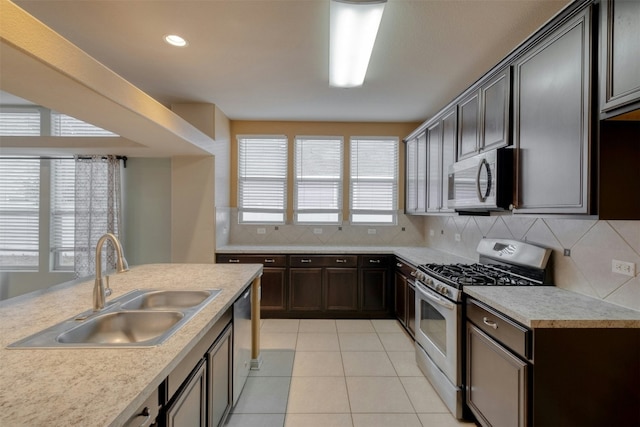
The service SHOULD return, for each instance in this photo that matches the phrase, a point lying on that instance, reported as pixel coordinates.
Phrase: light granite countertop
(552, 307)
(100, 387)
(535, 307)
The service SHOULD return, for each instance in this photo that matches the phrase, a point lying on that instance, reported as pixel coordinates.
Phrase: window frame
(30, 215)
(338, 184)
(355, 179)
(242, 180)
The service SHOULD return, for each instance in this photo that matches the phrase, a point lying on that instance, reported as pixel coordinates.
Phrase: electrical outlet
(317, 231)
(622, 267)
(262, 230)
(457, 237)
(432, 232)
(371, 231)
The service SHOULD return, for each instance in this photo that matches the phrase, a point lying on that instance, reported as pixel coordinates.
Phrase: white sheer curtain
(98, 201)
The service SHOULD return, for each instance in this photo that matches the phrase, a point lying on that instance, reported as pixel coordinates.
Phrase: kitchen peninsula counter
(103, 386)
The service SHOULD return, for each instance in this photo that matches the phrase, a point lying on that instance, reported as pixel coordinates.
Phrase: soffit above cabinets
(44, 68)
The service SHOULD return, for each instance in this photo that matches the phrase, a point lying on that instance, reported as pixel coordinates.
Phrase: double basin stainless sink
(140, 318)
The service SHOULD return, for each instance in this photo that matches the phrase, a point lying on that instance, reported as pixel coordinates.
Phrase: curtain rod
(123, 158)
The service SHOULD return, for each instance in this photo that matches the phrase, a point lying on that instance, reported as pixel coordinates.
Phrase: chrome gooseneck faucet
(121, 267)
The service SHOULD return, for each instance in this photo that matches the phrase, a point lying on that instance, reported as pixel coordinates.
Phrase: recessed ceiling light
(175, 40)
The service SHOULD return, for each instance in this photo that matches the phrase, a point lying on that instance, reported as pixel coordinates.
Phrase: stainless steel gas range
(438, 302)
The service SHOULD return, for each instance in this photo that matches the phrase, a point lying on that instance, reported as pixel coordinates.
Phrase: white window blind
(19, 213)
(262, 179)
(63, 125)
(374, 180)
(63, 213)
(20, 122)
(318, 180)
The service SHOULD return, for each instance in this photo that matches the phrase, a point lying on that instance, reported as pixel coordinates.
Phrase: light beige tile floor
(338, 373)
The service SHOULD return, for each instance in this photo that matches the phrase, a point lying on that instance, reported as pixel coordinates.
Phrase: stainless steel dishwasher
(241, 342)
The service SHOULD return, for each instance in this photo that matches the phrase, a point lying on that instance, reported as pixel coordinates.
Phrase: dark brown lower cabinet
(274, 290)
(219, 379)
(197, 392)
(496, 382)
(400, 306)
(549, 377)
(273, 300)
(375, 284)
(189, 409)
(405, 295)
(305, 289)
(411, 308)
(322, 286)
(341, 286)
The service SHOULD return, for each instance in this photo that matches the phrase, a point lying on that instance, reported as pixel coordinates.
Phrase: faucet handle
(107, 289)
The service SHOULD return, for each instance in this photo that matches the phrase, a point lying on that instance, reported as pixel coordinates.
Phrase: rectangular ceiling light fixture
(353, 29)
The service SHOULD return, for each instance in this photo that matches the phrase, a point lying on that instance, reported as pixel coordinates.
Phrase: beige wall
(291, 129)
(193, 209)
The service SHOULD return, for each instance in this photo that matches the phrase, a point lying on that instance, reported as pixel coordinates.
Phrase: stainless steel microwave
(482, 183)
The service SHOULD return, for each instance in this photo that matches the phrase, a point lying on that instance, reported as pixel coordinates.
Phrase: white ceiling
(268, 59)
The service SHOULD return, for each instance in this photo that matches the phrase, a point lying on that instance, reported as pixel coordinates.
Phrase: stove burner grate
(459, 275)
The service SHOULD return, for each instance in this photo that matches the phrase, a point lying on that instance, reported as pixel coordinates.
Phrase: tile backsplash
(592, 244)
(408, 232)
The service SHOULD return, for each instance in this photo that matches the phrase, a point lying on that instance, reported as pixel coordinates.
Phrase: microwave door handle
(427, 294)
(483, 163)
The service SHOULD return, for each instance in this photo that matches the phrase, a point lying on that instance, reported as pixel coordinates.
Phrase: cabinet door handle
(374, 261)
(413, 273)
(489, 323)
(269, 261)
(234, 260)
(399, 265)
(305, 261)
(341, 261)
(146, 413)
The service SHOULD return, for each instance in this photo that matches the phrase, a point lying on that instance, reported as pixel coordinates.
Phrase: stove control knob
(428, 281)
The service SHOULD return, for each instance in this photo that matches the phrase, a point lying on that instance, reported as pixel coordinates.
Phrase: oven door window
(433, 325)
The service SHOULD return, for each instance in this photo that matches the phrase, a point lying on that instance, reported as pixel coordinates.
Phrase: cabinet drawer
(373, 261)
(323, 260)
(405, 268)
(499, 327)
(266, 260)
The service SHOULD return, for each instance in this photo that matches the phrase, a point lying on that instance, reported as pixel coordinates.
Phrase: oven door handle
(435, 298)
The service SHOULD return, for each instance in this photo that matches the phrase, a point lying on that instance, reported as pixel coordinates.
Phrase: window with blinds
(374, 180)
(20, 122)
(318, 180)
(19, 213)
(63, 125)
(63, 175)
(262, 179)
(40, 121)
